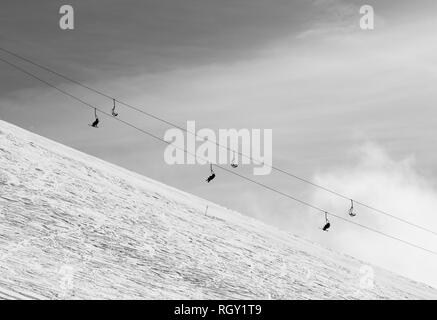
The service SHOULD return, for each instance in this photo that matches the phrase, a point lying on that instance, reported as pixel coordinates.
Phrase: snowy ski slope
(76, 227)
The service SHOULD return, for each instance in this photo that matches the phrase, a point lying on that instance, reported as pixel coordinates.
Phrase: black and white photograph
(233, 151)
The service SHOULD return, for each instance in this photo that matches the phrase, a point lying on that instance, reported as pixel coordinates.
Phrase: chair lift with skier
(234, 164)
(327, 223)
(351, 210)
(212, 176)
(114, 114)
(96, 122)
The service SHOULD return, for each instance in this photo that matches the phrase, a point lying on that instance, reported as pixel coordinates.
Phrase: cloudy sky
(353, 110)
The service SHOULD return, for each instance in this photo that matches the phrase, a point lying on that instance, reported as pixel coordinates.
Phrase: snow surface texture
(75, 227)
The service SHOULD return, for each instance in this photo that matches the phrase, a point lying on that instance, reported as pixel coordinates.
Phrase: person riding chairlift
(327, 224)
(212, 176)
(96, 122)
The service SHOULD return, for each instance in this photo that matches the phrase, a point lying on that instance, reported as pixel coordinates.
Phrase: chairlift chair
(327, 223)
(114, 114)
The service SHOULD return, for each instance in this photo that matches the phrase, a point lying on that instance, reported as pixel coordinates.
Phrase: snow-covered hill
(73, 226)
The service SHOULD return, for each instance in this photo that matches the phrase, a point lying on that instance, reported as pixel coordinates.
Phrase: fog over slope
(73, 226)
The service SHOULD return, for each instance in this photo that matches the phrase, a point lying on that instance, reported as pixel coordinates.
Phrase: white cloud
(395, 187)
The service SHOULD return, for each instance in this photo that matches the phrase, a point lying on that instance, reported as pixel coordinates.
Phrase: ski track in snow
(75, 227)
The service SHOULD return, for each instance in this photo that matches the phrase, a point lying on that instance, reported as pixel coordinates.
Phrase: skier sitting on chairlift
(327, 224)
(96, 122)
(212, 176)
